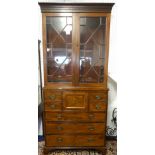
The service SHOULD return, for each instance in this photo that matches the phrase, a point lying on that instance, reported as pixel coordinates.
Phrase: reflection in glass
(59, 49)
(92, 49)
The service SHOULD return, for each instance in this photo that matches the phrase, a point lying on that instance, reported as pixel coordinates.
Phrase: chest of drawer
(74, 128)
(74, 140)
(80, 117)
(52, 95)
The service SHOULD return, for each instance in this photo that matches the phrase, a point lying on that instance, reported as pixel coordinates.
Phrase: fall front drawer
(74, 140)
(74, 128)
(70, 116)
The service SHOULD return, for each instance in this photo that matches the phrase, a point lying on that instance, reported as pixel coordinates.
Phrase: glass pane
(59, 49)
(92, 49)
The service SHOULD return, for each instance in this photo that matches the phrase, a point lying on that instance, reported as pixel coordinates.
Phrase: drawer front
(75, 101)
(97, 106)
(74, 140)
(52, 95)
(81, 117)
(97, 96)
(89, 140)
(53, 106)
(74, 128)
(59, 140)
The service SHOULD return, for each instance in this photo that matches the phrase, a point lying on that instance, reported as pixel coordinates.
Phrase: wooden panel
(75, 101)
(97, 96)
(74, 128)
(80, 117)
(98, 106)
(52, 95)
(53, 106)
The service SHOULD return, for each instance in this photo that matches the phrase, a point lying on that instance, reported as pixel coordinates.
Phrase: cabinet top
(75, 7)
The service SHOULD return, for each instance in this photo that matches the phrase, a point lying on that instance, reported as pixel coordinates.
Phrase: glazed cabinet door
(93, 48)
(58, 47)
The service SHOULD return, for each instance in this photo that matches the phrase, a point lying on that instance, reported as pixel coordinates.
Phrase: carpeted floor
(110, 145)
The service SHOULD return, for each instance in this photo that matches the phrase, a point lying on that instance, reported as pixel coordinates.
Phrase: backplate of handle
(59, 128)
(52, 97)
(98, 97)
(59, 139)
(98, 106)
(91, 128)
(59, 116)
(52, 106)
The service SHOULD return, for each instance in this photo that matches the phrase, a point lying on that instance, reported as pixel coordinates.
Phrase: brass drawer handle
(59, 139)
(53, 106)
(91, 139)
(52, 97)
(91, 116)
(98, 106)
(59, 116)
(59, 128)
(98, 97)
(91, 128)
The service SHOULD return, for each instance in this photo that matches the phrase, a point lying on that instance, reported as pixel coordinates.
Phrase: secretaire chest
(75, 55)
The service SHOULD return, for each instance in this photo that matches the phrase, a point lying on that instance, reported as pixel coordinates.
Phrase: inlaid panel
(75, 101)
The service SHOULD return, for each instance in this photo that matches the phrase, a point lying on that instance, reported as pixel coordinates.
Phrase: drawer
(52, 95)
(74, 128)
(97, 96)
(74, 140)
(75, 101)
(53, 106)
(59, 140)
(89, 140)
(97, 106)
(70, 116)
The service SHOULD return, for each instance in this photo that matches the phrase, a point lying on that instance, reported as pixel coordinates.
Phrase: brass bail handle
(52, 97)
